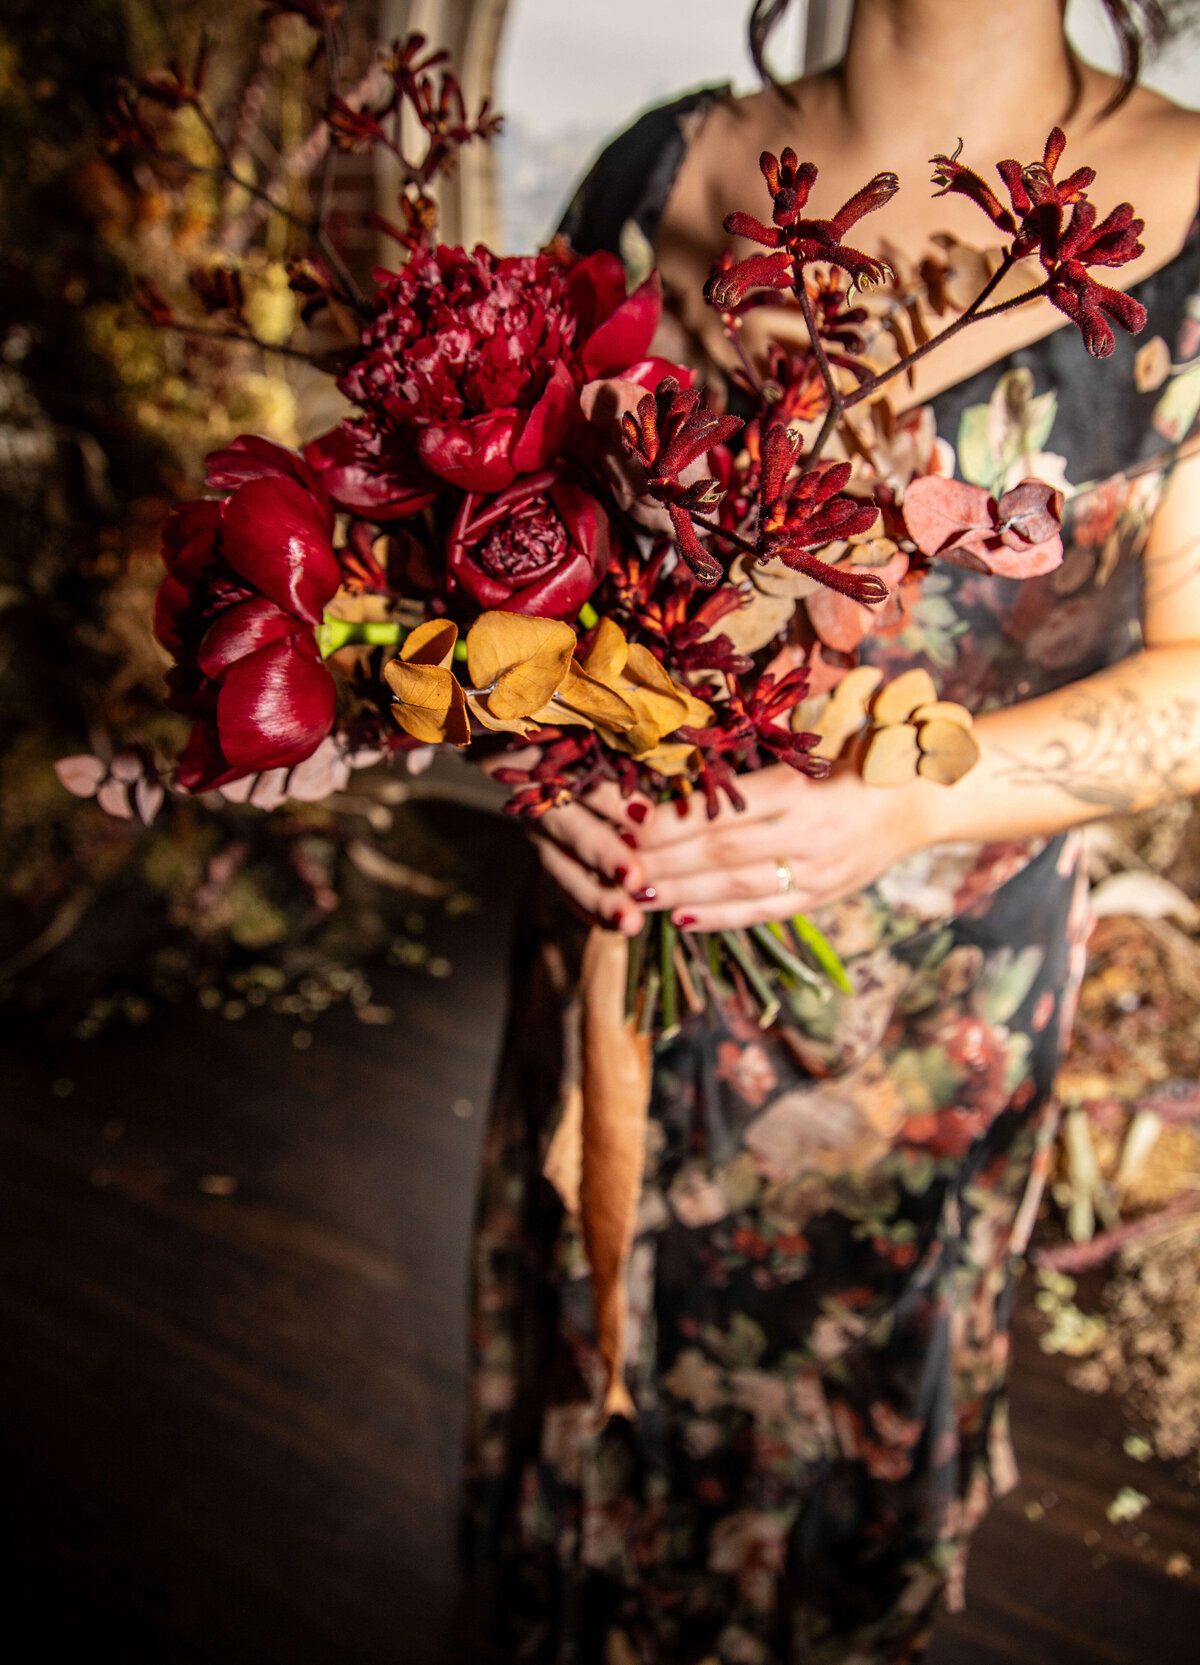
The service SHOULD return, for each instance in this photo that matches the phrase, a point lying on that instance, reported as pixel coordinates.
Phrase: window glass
(570, 75)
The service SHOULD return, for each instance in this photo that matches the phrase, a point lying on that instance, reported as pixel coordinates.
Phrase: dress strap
(632, 177)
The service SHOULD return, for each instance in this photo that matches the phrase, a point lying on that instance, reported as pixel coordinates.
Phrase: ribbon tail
(616, 1099)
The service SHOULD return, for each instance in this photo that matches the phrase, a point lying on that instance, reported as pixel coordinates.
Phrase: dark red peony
(473, 363)
(247, 582)
(357, 474)
(540, 547)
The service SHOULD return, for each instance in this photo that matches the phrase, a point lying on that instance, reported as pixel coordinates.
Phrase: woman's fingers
(734, 914)
(768, 793)
(720, 846)
(751, 885)
(590, 895)
(633, 812)
(596, 843)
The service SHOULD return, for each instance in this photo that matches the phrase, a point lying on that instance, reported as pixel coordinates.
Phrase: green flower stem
(588, 616)
(460, 651)
(650, 1004)
(333, 634)
(666, 958)
(739, 951)
(796, 969)
(823, 952)
(633, 976)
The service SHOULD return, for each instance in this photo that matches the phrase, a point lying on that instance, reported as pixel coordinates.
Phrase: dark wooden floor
(229, 1424)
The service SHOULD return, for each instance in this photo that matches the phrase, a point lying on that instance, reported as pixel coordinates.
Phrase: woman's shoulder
(631, 177)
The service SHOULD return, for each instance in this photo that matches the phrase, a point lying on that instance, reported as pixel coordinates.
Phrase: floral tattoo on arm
(1117, 751)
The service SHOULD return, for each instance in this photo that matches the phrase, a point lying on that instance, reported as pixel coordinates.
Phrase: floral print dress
(832, 1221)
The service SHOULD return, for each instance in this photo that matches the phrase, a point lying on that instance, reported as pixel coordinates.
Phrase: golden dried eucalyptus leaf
(670, 757)
(518, 663)
(497, 642)
(776, 578)
(760, 618)
(892, 756)
(897, 702)
(431, 643)
(948, 751)
(429, 704)
(846, 712)
(605, 659)
(942, 710)
(477, 705)
(651, 703)
(595, 700)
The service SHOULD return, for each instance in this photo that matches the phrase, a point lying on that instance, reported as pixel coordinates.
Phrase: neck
(918, 66)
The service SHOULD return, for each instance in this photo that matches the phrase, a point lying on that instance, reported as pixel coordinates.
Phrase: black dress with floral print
(831, 1223)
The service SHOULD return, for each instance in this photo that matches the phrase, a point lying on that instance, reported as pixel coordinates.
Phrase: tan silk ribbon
(606, 1126)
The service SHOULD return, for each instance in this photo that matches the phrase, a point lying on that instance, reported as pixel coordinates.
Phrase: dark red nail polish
(637, 812)
(683, 920)
(681, 808)
(620, 876)
(646, 895)
(629, 840)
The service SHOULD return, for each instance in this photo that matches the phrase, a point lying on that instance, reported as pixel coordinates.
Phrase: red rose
(539, 548)
(247, 581)
(473, 363)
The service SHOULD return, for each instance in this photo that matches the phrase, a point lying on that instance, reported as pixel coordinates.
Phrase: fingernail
(646, 895)
(620, 875)
(683, 920)
(629, 840)
(637, 812)
(681, 807)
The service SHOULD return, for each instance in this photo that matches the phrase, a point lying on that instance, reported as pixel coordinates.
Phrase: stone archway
(470, 30)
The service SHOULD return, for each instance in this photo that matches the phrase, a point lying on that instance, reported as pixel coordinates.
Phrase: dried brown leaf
(948, 750)
(901, 697)
(892, 756)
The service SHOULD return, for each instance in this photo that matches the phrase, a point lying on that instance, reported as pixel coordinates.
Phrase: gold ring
(783, 877)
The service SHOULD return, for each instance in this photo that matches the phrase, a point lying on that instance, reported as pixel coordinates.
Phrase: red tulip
(247, 581)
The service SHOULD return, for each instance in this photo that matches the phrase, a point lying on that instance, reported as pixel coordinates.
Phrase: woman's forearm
(1122, 740)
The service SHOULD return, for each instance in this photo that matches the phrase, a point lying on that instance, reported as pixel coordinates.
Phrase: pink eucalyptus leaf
(1030, 513)
(81, 775)
(1027, 560)
(113, 798)
(940, 514)
(148, 796)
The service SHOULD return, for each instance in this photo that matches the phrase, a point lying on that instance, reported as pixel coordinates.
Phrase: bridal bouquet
(534, 536)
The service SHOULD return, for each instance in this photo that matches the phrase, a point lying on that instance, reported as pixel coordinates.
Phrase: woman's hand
(588, 850)
(834, 836)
